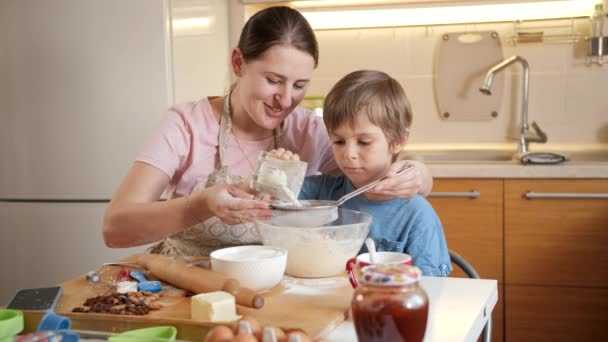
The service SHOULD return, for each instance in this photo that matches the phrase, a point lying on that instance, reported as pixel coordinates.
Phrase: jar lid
(390, 275)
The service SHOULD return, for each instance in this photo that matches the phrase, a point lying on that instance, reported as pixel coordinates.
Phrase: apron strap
(226, 129)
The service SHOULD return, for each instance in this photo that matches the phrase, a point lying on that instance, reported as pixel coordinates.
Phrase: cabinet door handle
(467, 194)
(574, 195)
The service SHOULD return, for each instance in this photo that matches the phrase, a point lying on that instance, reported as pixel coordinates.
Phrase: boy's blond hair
(379, 95)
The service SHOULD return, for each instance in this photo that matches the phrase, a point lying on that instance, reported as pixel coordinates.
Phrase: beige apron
(211, 234)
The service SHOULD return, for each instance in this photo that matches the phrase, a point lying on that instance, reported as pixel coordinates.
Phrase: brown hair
(275, 26)
(379, 95)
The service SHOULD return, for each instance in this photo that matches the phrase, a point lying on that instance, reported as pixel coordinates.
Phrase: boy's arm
(428, 248)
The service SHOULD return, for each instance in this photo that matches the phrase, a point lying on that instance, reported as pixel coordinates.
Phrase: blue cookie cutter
(145, 284)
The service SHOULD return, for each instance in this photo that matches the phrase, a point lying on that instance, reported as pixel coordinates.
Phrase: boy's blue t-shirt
(399, 225)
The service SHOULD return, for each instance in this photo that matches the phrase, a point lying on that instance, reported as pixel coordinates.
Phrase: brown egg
(278, 333)
(256, 329)
(245, 338)
(221, 333)
(303, 336)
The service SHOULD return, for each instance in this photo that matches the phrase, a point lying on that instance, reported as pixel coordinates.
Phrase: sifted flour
(315, 256)
(276, 179)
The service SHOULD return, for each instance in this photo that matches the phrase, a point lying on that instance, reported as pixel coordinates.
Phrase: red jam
(389, 305)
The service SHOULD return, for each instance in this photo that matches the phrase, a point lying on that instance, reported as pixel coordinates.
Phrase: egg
(278, 333)
(256, 329)
(245, 338)
(303, 336)
(221, 333)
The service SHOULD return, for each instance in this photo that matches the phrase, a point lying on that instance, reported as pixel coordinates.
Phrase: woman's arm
(135, 216)
(425, 175)
(417, 181)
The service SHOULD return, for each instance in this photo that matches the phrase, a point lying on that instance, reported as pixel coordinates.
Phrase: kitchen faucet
(524, 137)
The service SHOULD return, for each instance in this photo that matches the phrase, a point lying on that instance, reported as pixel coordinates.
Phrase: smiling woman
(201, 153)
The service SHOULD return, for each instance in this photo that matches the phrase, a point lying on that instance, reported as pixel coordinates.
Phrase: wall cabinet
(471, 211)
(544, 240)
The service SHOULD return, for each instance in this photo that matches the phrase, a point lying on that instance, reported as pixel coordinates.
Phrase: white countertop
(459, 309)
(512, 170)
(443, 160)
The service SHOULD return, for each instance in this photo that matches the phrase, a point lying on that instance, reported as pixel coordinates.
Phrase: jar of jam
(389, 304)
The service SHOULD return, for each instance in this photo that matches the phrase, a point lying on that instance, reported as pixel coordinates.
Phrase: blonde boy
(368, 116)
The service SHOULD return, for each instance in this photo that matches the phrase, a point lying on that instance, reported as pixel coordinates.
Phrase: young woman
(202, 149)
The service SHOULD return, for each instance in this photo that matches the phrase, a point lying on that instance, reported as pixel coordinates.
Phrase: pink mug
(362, 260)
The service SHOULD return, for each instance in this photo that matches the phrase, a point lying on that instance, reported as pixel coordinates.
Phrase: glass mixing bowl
(322, 251)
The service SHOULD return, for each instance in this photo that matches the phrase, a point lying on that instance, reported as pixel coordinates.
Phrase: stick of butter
(216, 306)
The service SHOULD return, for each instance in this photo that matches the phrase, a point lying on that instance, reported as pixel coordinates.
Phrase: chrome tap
(524, 137)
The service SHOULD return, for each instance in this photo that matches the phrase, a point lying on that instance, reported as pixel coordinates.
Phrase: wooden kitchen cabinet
(472, 225)
(555, 259)
(471, 211)
(543, 313)
(556, 241)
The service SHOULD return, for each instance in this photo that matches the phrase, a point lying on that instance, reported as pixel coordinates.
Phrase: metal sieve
(328, 204)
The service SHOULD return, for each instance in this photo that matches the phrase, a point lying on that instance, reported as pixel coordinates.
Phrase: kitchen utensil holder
(538, 31)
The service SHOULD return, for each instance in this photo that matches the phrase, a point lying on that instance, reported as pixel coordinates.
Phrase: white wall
(567, 98)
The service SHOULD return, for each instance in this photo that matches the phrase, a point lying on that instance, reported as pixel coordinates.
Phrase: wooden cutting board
(315, 306)
(463, 60)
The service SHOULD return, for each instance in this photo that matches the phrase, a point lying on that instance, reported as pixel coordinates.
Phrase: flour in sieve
(277, 179)
(305, 218)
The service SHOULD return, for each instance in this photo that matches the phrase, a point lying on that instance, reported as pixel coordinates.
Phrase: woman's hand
(407, 185)
(284, 154)
(229, 203)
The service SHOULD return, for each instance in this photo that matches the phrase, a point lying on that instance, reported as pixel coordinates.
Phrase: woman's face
(270, 87)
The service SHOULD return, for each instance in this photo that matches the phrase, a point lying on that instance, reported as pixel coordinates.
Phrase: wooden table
(459, 309)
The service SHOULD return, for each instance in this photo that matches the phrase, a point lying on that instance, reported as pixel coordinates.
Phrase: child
(368, 116)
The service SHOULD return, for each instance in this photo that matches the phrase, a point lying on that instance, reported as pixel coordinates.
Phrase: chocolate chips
(132, 303)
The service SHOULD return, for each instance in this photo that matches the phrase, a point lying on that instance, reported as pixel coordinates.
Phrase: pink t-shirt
(185, 145)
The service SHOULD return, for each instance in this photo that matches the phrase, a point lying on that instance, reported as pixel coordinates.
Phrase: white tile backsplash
(567, 97)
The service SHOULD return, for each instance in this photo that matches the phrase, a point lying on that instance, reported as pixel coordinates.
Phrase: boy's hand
(284, 154)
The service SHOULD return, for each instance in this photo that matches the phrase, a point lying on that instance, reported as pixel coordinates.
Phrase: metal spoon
(327, 204)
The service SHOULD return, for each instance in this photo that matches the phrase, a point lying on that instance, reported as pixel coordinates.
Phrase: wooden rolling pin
(196, 279)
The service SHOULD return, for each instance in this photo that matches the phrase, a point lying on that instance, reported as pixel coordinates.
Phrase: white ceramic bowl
(320, 251)
(256, 267)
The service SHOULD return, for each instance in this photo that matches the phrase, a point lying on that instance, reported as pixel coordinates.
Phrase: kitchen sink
(460, 156)
(492, 156)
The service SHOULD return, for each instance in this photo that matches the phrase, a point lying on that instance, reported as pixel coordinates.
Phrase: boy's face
(361, 150)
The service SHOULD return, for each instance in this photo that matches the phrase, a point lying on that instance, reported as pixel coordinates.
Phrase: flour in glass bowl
(315, 256)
